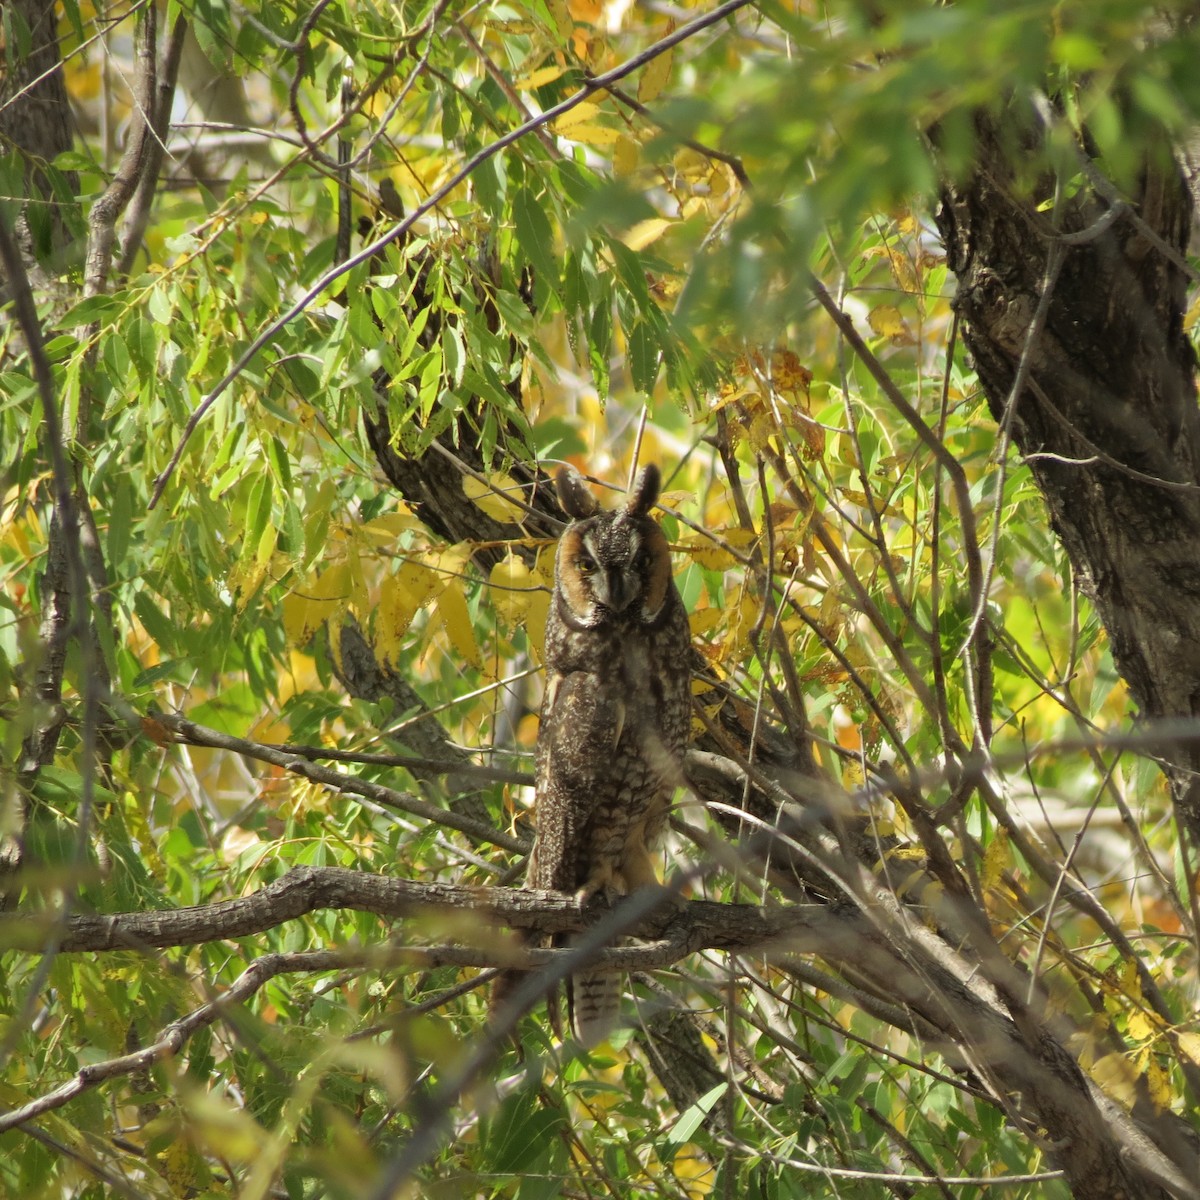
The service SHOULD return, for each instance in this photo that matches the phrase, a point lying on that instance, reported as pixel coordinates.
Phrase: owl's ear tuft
(644, 491)
(574, 494)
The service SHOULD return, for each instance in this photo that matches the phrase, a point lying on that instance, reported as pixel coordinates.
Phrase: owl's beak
(621, 589)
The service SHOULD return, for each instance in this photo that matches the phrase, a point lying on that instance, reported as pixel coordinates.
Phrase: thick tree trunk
(1106, 415)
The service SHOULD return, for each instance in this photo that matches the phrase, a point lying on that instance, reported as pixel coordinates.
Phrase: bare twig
(143, 200)
(951, 465)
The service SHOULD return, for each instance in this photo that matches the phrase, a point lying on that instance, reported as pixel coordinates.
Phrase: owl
(615, 716)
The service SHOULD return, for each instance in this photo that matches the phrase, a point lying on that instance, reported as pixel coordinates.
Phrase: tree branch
(102, 220)
(1015, 1057)
(156, 149)
(695, 925)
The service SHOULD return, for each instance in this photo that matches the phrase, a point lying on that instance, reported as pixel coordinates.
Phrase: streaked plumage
(615, 716)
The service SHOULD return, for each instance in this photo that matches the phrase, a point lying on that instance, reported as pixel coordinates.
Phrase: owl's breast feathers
(609, 755)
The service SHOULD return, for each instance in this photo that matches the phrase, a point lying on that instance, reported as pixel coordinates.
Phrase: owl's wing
(580, 726)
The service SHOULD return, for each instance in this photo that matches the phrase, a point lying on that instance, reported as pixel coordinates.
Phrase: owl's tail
(594, 998)
(505, 985)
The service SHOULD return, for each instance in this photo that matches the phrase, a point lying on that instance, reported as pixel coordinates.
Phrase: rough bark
(1107, 417)
(35, 122)
(698, 924)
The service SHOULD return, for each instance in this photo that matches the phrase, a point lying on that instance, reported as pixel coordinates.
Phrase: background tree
(295, 324)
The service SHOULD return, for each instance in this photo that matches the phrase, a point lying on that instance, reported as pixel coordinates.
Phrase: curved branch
(694, 925)
(102, 220)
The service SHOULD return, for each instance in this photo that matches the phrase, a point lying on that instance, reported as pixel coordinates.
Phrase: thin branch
(407, 762)
(143, 200)
(173, 1037)
(730, 160)
(102, 220)
(951, 465)
(69, 620)
(192, 734)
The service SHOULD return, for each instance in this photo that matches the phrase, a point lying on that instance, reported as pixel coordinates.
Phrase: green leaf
(157, 624)
(693, 1117)
(535, 234)
(120, 523)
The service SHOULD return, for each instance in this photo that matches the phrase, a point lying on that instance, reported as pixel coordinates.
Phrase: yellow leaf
(673, 500)
(730, 393)
(760, 430)
(1131, 981)
(300, 621)
(1189, 1045)
(455, 616)
(887, 322)
(627, 151)
(1193, 315)
(539, 78)
(561, 13)
(512, 589)
(1159, 1085)
(1139, 1027)
(576, 116)
(591, 134)
(384, 530)
(644, 232)
(705, 619)
(335, 643)
(692, 164)
(788, 372)
(266, 545)
(360, 596)
(399, 599)
(333, 584)
(1116, 1076)
(654, 77)
(712, 557)
(492, 497)
(451, 561)
(995, 859)
(931, 894)
(307, 607)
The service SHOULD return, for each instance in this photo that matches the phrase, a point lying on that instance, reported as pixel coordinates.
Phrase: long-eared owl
(616, 713)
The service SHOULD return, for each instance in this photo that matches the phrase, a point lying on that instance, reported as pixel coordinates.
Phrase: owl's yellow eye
(586, 564)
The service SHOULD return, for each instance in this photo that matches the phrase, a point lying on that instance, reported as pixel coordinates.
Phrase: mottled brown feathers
(615, 716)
(616, 712)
